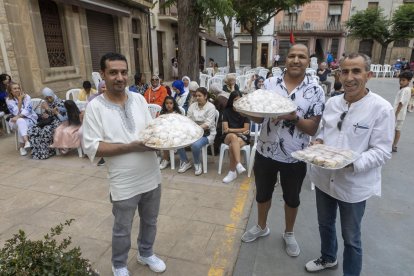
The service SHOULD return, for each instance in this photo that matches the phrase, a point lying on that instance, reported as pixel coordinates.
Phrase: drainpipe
(150, 41)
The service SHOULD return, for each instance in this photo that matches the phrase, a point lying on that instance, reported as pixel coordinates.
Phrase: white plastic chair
(210, 71)
(387, 69)
(224, 148)
(204, 80)
(377, 69)
(276, 71)
(250, 71)
(74, 93)
(311, 71)
(81, 105)
(154, 109)
(217, 80)
(204, 148)
(96, 78)
(263, 73)
(257, 128)
(241, 82)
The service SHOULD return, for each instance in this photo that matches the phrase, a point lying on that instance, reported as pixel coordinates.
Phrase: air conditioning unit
(307, 25)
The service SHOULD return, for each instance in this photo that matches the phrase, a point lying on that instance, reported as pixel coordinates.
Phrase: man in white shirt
(111, 127)
(361, 121)
(400, 105)
(279, 138)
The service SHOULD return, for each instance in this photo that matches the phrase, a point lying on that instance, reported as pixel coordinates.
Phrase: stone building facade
(58, 43)
(397, 49)
(319, 24)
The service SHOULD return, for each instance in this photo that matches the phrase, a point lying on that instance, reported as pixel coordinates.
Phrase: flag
(291, 38)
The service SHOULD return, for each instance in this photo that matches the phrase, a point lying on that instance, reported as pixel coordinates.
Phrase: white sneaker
(232, 175)
(240, 169)
(198, 169)
(27, 145)
(154, 263)
(184, 166)
(123, 271)
(254, 233)
(23, 152)
(164, 164)
(319, 264)
(292, 247)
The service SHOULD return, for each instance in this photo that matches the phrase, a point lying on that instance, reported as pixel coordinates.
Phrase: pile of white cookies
(326, 156)
(264, 101)
(171, 131)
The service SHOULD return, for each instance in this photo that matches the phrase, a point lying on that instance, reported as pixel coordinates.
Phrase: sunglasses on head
(342, 117)
(154, 79)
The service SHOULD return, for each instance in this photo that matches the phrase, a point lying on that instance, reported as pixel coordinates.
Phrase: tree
(255, 15)
(223, 11)
(372, 24)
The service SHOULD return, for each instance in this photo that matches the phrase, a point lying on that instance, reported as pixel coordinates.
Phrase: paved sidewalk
(387, 226)
(200, 222)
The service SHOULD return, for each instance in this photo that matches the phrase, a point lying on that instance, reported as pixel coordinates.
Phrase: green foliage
(403, 22)
(23, 257)
(370, 24)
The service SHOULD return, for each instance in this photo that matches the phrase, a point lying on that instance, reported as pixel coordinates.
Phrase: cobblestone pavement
(387, 225)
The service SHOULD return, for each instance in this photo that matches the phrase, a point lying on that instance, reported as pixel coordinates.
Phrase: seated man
(323, 73)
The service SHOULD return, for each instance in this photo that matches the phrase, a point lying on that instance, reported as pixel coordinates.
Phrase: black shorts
(291, 179)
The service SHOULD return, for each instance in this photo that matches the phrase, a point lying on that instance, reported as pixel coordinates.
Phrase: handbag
(41, 122)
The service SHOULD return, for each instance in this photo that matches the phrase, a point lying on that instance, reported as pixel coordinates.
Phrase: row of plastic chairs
(383, 70)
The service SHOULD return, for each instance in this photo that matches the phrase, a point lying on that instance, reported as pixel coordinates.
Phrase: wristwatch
(296, 120)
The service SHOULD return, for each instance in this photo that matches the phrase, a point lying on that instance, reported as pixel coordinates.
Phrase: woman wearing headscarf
(180, 95)
(41, 135)
(186, 80)
(259, 83)
(192, 87)
(156, 93)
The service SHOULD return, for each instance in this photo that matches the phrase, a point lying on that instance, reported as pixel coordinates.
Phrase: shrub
(21, 256)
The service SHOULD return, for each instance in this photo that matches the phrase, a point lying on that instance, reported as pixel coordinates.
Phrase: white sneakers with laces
(198, 169)
(23, 152)
(232, 175)
(154, 263)
(184, 166)
(292, 247)
(254, 233)
(240, 169)
(27, 145)
(320, 264)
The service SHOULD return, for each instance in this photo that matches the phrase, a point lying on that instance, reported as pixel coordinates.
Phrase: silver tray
(263, 114)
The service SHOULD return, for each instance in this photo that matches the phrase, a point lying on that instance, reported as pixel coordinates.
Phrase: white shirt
(279, 140)
(205, 115)
(368, 129)
(403, 97)
(132, 173)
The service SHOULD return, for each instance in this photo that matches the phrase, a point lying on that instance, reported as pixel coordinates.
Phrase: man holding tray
(111, 127)
(361, 121)
(280, 137)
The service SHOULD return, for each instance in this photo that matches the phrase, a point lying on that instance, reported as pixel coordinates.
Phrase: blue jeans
(196, 150)
(351, 217)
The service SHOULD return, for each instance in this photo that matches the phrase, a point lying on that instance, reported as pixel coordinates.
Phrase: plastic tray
(263, 114)
(172, 148)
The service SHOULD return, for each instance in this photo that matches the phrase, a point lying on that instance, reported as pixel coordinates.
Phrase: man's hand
(315, 142)
(139, 146)
(288, 117)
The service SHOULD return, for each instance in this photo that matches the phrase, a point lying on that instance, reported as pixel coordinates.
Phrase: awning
(213, 39)
(99, 6)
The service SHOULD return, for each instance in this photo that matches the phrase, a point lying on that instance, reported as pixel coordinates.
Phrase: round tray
(173, 148)
(262, 114)
(341, 166)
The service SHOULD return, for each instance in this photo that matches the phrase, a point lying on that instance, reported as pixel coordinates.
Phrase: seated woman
(235, 135)
(230, 84)
(41, 135)
(4, 82)
(156, 93)
(192, 87)
(186, 80)
(203, 113)
(179, 94)
(20, 106)
(66, 135)
(259, 83)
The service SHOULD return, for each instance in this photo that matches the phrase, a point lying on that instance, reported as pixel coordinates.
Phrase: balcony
(311, 28)
(168, 14)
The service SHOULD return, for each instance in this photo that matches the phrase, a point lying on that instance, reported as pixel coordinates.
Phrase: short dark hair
(406, 75)
(111, 57)
(367, 59)
(87, 85)
(337, 86)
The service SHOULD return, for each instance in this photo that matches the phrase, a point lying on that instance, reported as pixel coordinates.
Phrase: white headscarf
(186, 88)
(47, 92)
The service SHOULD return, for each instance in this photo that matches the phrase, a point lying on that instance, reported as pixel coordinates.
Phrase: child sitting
(169, 106)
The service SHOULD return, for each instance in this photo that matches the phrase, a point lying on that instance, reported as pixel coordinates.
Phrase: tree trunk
(384, 48)
(230, 43)
(188, 40)
(254, 34)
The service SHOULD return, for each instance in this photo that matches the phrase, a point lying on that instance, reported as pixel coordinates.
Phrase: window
(401, 43)
(245, 54)
(334, 15)
(372, 5)
(52, 29)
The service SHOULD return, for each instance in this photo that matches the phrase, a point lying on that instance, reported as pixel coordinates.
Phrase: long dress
(42, 137)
